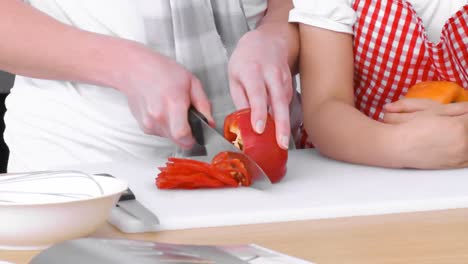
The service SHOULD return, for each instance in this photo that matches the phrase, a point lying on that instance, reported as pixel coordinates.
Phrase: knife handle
(127, 195)
(194, 118)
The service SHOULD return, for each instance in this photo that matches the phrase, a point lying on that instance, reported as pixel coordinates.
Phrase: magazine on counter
(116, 251)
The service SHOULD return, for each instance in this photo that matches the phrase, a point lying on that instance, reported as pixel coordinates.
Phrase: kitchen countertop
(438, 233)
(314, 187)
(421, 238)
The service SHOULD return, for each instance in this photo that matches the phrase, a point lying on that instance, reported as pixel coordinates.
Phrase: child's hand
(407, 109)
(435, 142)
(410, 105)
(434, 135)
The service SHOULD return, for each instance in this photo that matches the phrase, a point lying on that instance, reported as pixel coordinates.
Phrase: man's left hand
(260, 78)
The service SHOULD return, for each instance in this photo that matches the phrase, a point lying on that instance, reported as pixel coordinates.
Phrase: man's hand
(260, 78)
(160, 92)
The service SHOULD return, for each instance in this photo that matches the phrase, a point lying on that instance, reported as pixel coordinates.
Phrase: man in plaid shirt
(104, 80)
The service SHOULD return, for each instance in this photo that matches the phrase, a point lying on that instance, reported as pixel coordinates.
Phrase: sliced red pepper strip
(200, 180)
(187, 178)
(187, 161)
(222, 156)
(244, 181)
(182, 173)
(236, 168)
(223, 171)
(224, 176)
(193, 181)
(211, 172)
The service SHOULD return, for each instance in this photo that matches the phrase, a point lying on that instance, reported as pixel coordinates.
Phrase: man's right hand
(160, 92)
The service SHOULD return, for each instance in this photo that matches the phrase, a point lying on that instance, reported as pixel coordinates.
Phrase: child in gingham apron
(84, 101)
(366, 54)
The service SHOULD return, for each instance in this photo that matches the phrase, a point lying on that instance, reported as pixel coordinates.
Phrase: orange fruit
(462, 97)
(441, 91)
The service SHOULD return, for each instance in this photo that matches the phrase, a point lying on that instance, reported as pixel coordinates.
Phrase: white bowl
(36, 222)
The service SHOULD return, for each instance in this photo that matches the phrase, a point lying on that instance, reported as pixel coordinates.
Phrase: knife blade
(210, 143)
(132, 206)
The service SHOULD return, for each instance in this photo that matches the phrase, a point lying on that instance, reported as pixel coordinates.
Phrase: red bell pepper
(262, 148)
(225, 171)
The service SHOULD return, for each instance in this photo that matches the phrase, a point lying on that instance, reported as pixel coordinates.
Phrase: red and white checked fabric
(392, 52)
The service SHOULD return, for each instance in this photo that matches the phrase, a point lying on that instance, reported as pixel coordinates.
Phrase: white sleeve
(336, 15)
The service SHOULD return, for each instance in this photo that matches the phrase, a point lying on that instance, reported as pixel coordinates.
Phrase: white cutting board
(314, 187)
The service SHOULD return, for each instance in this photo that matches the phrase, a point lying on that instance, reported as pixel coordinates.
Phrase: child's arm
(340, 131)
(334, 125)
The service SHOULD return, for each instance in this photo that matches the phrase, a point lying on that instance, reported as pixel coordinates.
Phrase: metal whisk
(63, 185)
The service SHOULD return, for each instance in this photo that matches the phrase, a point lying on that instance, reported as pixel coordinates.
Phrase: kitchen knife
(130, 205)
(210, 143)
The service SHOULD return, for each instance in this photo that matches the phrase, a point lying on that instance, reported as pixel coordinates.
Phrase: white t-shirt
(338, 15)
(57, 123)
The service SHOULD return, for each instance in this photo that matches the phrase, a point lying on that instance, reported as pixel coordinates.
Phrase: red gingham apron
(392, 52)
